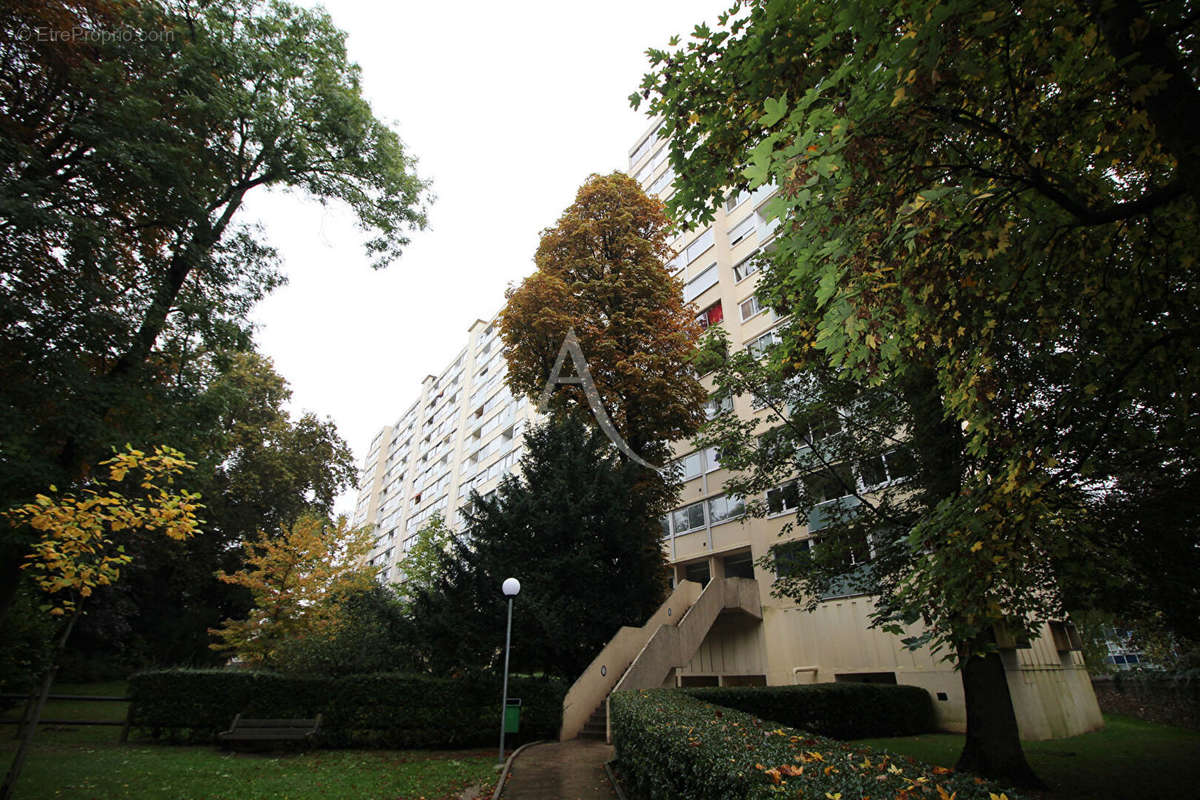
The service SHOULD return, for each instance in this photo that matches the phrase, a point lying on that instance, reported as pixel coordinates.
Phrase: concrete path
(571, 770)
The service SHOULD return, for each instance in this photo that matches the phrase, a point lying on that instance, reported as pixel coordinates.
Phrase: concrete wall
(1051, 692)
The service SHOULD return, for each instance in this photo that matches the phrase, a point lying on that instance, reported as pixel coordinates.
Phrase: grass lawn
(86, 763)
(1127, 760)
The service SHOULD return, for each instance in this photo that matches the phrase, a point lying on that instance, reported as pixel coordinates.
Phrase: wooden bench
(270, 730)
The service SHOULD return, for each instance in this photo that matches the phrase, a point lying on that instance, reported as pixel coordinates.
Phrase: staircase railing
(593, 686)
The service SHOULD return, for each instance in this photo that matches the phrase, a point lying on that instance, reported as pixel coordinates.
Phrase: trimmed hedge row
(381, 710)
(671, 745)
(837, 710)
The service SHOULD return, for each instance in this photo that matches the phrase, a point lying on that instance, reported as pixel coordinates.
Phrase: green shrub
(671, 745)
(838, 710)
(380, 710)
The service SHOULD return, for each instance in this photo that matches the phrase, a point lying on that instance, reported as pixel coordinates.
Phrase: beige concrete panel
(589, 691)
(691, 545)
(730, 536)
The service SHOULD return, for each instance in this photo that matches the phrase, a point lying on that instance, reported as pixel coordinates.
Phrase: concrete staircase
(597, 725)
(643, 658)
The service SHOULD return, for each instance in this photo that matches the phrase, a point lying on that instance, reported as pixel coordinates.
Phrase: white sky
(508, 107)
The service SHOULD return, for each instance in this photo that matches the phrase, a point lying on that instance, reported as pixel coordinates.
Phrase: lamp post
(511, 588)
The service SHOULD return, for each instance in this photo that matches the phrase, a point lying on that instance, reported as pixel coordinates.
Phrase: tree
(371, 635)
(863, 467)
(423, 563)
(994, 206)
(124, 163)
(259, 469)
(298, 581)
(601, 273)
(573, 532)
(75, 552)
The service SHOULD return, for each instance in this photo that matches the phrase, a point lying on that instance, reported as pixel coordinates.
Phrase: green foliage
(1127, 758)
(26, 642)
(423, 561)
(388, 710)
(371, 636)
(1004, 201)
(124, 273)
(582, 542)
(837, 710)
(670, 744)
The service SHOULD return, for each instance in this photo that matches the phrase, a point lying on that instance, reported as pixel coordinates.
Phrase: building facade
(465, 430)
(707, 537)
(463, 433)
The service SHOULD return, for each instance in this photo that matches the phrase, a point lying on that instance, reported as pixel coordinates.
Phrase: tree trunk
(993, 745)
(14, 771)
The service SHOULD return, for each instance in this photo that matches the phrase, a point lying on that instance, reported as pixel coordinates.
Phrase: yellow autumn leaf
(899, 97)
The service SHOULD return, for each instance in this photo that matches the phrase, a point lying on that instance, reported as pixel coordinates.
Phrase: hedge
(380, 710)
(837, 710)
(671, 745)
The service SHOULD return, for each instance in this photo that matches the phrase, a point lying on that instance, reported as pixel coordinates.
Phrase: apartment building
(464, 432)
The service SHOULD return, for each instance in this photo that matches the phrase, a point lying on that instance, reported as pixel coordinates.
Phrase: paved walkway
(571, 770)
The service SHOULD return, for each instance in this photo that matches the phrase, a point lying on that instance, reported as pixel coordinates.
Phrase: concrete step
(593, 732)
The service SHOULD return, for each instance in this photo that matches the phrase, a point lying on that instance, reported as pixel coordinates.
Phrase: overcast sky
(508, 107)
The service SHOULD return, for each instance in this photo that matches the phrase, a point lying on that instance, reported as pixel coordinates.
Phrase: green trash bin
(512, 715)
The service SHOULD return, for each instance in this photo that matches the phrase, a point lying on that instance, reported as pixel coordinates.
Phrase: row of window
(645, 146)
(417, 520)
(660, 155)
(696, 464)
(713, 511)
(822, 487)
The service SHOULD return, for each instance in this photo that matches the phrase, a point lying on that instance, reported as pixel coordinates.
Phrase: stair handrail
(610, 665)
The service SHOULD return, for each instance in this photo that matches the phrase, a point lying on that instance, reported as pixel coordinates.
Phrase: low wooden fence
(30, 700)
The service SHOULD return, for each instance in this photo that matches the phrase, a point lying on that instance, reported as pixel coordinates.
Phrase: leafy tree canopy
(991, 213)
(601, 272)
(299, 581)
(998, 199)
(125, 160)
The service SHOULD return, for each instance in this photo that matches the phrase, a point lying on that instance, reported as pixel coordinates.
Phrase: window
(759, 346)
(692, 465)
(697, 285)
(890, 466)
(664, 180)
(699, 245)
(712, 459)
(742, 229)
(712, 315)
(822, 424)
(666, 526)
(735, 199)
(783, 498)
(724, 508)
(688, 518)
(645, 147)
(822, 486)
(714, 406)
(750, 307)
(764, 225)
